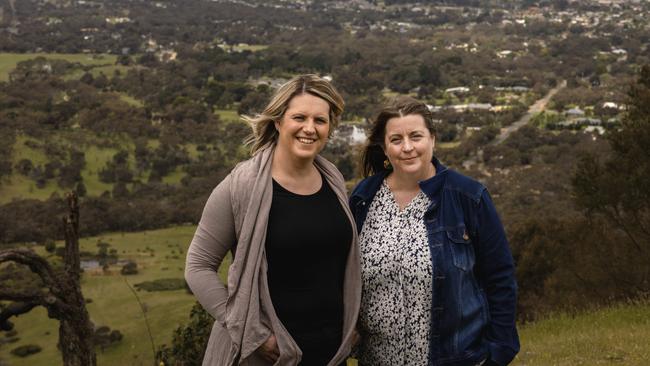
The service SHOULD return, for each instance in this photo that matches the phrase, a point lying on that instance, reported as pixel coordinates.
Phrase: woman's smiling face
(304, 128)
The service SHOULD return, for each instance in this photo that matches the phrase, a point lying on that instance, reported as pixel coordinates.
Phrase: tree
(189, 342)
(616, 192)
(80, 189)
(60, 294)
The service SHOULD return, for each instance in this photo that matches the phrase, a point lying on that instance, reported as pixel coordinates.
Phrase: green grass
(387, 93)
(109, 70)
(18, 186)
(174, 177)
(130, 100)
(619, 335)
(192, 150)
(114, 305)
(8, 61)
(22, 151)
(448, 145)
(241, 47)
(21, 187)
(96, 159)
(250, 47)
(227, 115)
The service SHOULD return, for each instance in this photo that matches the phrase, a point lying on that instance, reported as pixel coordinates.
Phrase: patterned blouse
(396, 273)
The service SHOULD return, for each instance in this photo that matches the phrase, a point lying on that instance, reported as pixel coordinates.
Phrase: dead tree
(60, 294)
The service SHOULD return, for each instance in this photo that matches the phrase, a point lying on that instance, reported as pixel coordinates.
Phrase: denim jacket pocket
(462, 249)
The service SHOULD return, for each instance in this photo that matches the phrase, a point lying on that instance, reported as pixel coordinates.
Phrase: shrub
(26, 350)
(165, 284)
(189, 341)
(129, 268)
(104, 336)
(50, 246)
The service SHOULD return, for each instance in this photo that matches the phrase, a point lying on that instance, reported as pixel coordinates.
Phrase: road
(537, 107)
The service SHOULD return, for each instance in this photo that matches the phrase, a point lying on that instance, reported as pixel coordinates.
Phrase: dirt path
(537, 107)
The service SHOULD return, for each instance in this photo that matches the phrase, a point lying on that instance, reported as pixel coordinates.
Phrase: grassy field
(131, 100)
(619, 335)
(448, 145)
(105, 63)
(241, 47)
(227, 115)
(611, 336)
(19, 186)
(159, 254)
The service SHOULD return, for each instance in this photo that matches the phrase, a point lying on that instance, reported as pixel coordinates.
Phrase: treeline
(144, 207)
(598, 250)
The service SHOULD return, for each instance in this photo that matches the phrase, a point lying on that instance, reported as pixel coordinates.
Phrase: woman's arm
(496, 273)
(214, 236)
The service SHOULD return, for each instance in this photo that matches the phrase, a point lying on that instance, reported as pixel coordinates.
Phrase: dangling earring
(387, 165)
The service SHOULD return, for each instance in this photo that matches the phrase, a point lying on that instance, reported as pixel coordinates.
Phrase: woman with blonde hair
(293, 287)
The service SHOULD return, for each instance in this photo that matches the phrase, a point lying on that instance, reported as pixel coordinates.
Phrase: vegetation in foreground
(617, 335)
(159, 254)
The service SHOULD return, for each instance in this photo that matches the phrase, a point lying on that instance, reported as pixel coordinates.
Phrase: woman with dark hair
(437, 273)
(294, 285)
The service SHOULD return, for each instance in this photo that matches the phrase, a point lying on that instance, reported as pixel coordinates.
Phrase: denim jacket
(474, 288)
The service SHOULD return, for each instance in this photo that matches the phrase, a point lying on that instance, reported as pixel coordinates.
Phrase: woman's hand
(269, 350)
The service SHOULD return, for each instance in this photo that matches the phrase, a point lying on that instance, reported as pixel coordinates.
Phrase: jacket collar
(430, 187)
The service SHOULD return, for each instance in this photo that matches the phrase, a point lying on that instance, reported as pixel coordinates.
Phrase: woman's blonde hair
(263, 124)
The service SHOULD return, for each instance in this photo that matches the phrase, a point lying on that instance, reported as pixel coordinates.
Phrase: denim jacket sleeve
(496, 273)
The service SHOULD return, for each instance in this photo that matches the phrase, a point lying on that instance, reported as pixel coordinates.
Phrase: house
(574, 112)
(479, 106)
(504, 53)
(166, 55)
(457, 90)
(500, 108)
(590, 129)
(117, 20)
(434, 108)
(471, 107)
(589, 121)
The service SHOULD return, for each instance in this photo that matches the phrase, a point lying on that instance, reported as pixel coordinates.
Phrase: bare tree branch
(71, 228)
(15, 295)
(14, 309)
(35, 262)
(61, 294)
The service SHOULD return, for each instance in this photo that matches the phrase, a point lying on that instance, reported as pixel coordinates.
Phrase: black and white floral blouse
(396, 273)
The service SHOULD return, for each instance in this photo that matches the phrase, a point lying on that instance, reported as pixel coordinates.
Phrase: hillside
(619, 335)
(136, 105)
(159, 254)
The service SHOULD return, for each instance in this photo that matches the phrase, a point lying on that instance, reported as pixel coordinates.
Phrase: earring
(387, 165)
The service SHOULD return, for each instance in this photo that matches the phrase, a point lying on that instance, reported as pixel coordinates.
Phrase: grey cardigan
(235, 217)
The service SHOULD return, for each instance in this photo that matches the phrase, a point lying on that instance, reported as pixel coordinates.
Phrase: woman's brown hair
(373, 157)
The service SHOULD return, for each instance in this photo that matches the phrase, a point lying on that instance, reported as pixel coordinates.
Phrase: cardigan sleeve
(214, 237)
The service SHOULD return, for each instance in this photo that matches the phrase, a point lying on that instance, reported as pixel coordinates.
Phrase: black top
(307, 243)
